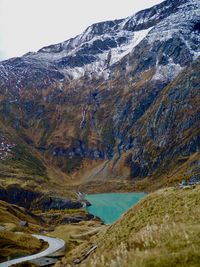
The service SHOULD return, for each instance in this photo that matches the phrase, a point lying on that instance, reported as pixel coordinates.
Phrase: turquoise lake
(110, 206)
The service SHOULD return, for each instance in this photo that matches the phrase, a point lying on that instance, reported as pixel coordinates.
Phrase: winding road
(55, 244)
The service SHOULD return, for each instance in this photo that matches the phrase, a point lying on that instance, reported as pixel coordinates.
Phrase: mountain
(118, 101)
(103, 44)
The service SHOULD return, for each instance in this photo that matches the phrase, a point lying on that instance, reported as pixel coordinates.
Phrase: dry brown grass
(11, 215)
(161, 230)
(14, 245)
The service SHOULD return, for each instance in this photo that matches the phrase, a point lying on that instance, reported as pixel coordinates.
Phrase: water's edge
(109, 207)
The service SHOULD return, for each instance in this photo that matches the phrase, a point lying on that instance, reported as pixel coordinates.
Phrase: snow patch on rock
(118, 53)
(167, 73)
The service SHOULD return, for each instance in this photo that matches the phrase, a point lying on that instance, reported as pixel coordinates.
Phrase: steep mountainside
(119, 100)
(16, 159)
(27, 180)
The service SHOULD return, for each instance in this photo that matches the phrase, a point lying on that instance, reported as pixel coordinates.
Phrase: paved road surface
(55, 244)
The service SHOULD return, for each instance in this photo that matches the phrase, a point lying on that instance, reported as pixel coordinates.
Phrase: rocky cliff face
(119, 100)
(39, 201)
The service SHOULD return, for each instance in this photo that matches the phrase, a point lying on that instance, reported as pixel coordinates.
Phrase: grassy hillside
(22, 166)
(74, 226)
(13, 245)
(19, 163)
(16, 240)
(162, 230)
(11, 215)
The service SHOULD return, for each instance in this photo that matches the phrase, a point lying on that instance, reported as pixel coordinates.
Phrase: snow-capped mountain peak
(104, 44)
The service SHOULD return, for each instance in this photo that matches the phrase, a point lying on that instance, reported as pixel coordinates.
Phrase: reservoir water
(110, 206)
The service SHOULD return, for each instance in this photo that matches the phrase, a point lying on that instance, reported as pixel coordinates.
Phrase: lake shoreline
(109, 207)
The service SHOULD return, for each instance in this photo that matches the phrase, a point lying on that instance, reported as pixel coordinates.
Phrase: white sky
(28, 25)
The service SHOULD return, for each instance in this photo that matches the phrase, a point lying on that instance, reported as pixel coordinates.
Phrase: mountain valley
(114, 109)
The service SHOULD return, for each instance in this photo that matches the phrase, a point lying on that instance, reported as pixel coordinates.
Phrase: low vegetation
(22, 165)
(12, 215)
(14, 245)
(76, 234)
(162, 230)
(16, 226)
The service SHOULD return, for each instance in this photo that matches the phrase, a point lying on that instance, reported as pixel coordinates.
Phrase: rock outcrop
(37, 200)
